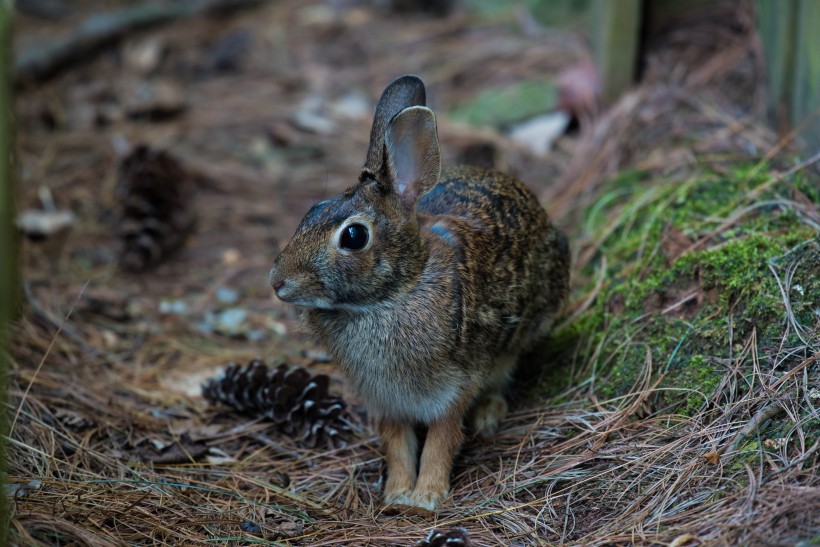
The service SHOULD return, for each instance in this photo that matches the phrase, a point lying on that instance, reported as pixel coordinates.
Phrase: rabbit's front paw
(398, 497)
(428, 500)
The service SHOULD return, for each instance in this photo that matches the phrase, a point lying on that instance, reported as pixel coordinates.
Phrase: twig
(44, 60)
(795, 463)
(799, 167)
(767, 412)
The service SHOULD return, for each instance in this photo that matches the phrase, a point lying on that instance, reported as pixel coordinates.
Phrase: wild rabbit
(426, 289)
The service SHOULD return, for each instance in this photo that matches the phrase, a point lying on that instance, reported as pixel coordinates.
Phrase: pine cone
(291, 397)
(439, 538)
(156, 196)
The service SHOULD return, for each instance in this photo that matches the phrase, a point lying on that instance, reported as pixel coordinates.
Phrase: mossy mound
(689, 276)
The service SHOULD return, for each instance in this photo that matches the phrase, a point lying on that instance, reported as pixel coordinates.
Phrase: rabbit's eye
(353, 237)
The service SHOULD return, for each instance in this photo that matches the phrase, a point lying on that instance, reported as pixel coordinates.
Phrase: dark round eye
(353, 237)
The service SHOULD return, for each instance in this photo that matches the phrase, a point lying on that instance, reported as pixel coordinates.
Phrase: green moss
(701, 375)
(557, 375)
(807, 186)
(748, 454)
(499, 107)
(692, 271)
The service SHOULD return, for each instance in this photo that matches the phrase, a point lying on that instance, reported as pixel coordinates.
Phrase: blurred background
(253, 110)
(266, 107)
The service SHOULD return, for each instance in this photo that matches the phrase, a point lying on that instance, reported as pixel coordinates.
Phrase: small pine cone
(296, 401)
(156, 196)
(450, 538)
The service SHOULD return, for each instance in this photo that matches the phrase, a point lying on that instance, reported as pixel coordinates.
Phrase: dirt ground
(268, 110)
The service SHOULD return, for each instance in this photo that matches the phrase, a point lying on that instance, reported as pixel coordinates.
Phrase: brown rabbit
(426, 289)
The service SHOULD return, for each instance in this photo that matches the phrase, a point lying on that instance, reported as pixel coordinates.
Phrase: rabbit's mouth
(290, 292)
(305, 302)
(322, 303)
(319, 303)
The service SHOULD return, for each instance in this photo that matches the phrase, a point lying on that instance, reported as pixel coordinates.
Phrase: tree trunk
(9, 260)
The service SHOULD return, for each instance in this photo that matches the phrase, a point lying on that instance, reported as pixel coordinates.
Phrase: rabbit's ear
(404, 92)
(412, 153)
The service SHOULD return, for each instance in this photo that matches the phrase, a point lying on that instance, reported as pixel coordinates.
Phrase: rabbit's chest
(394, 363)
(388, 394)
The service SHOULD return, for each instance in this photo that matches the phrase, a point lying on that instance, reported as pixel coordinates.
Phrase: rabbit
(426, 287)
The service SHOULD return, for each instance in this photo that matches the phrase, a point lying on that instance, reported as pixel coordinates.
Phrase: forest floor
(681, 402)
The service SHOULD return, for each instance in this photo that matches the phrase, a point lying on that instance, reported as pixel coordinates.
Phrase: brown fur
(462, 273)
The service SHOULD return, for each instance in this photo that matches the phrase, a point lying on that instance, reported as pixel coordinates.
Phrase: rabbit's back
(514, 262)
(490, 199)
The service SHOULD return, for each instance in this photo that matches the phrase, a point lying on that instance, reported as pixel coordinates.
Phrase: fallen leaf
(181, 452)
(144, 56)
(38, 225)
(231, 256)
(310, 117)
(219, 457)
(74, 421)
(685, 539)
(712, 457)
(19, 490)
(539, 133)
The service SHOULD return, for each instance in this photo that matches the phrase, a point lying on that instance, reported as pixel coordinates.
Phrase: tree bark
(9, 259)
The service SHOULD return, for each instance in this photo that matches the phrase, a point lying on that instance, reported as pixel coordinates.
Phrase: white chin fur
(286, 295)
(311, 303)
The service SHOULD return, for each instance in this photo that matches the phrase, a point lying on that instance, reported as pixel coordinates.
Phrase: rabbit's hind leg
(491, 406)
(487, 414)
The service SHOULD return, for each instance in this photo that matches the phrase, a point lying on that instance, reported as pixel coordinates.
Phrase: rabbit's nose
(276, 278)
